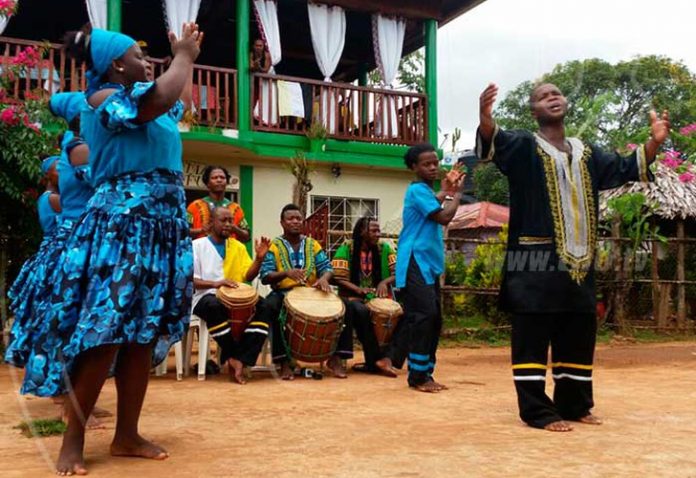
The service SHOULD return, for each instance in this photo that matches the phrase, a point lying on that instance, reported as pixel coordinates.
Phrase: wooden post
(620, 287)
(681, 276)
(660, 320)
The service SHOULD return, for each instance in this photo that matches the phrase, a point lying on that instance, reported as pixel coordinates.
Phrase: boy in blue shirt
(421, 260)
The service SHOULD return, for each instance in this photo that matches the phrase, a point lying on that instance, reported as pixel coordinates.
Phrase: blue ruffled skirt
(30, 292)
(125, 276)
(30, 285)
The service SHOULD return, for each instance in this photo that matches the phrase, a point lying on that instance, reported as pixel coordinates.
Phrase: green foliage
(633, 213)
(42, 428)
(317, 130)
(484, 271)
(411, 73)
(490, 184)
(609, 104)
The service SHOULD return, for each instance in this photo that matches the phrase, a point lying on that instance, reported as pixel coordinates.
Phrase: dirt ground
(369, 426)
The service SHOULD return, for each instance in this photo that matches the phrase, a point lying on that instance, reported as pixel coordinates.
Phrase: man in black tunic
(548, 281)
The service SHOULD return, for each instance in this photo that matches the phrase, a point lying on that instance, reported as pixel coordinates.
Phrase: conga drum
(241, 306)
(314, 322)
(385, 315)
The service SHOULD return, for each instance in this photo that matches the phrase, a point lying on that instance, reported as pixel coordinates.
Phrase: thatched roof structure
(673, 199)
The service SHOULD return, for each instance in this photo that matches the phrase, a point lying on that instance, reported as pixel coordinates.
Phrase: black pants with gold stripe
(572, 340)
(248, 348)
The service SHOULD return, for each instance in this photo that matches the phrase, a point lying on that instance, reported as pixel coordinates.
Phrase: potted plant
(317, 134)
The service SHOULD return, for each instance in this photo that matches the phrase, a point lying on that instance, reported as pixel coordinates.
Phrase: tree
(490, 184)
(411, 73)
(609, 104)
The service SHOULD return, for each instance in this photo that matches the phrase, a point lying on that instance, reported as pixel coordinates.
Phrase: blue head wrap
(67, 105)
(105, 46)
(47, 163)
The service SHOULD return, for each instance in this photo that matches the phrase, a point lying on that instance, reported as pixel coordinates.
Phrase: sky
(511, 41)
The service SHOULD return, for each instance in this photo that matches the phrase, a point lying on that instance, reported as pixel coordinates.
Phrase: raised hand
(261, 246)
(451, 181)
(190, 42)
(659, 126)
(487, 100)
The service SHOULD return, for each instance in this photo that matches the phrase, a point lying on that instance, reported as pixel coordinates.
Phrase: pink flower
(29, 57)
(671, 163)
(688, 130)
(631, 146)
(9, 116)
(687, 177)
(7, 7)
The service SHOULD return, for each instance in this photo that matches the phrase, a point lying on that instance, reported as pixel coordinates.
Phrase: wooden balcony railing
(214, 91)
(284, 104)
(280, 104)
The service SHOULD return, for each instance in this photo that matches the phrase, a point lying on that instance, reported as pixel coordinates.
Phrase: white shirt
(207, 265)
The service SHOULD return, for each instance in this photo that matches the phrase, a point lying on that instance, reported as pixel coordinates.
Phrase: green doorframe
(243, 74)
(246, 200)
(431, 78)
(113, 15)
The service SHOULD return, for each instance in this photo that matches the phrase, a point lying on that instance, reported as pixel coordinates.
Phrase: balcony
(279, 104)
(346, 111)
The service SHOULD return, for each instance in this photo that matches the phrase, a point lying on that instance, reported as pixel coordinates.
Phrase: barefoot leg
(90, 373)
(428, 387)
(236, 371)
(132, 376)
(286, 372)
(590, 419)
(559, 426)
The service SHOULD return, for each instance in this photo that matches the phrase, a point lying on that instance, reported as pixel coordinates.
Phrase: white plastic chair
(161, 369)
(203, 336)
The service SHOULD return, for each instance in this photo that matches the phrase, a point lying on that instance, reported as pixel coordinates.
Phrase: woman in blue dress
(124, 280)
(28, 287)
(76, 191)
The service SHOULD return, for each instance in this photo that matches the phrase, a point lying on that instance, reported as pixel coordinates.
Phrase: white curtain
(267, 17)
(328, 28)
(180, 11)
(96, 9)
(388, 40)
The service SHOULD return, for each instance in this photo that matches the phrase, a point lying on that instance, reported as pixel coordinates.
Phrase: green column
(246, 200)
(431, 78)
(243, 83)
(113, 15)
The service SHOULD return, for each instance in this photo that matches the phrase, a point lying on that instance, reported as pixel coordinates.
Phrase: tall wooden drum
(241, 306)
(314, 322)
(385, 315)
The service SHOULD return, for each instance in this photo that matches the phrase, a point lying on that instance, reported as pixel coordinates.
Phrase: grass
(42, 427)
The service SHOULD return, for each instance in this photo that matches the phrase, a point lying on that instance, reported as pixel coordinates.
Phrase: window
(343, 214)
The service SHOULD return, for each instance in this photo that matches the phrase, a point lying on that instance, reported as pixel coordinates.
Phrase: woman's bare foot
(93, 423)
(590, 419)
(139, 447)
(384, 366)
(70, 460)
(101, 412)
(428, 387)
(286, 372)
(236, 371)
(440, 386)
(335, 365)
(559, 426)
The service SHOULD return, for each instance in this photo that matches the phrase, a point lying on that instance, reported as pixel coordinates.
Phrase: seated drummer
(287, 266)
(364, 269)
(219, 260)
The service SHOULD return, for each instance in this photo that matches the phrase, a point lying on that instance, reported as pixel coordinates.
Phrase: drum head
(385, 306)
(313, 303)
(242, 294)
